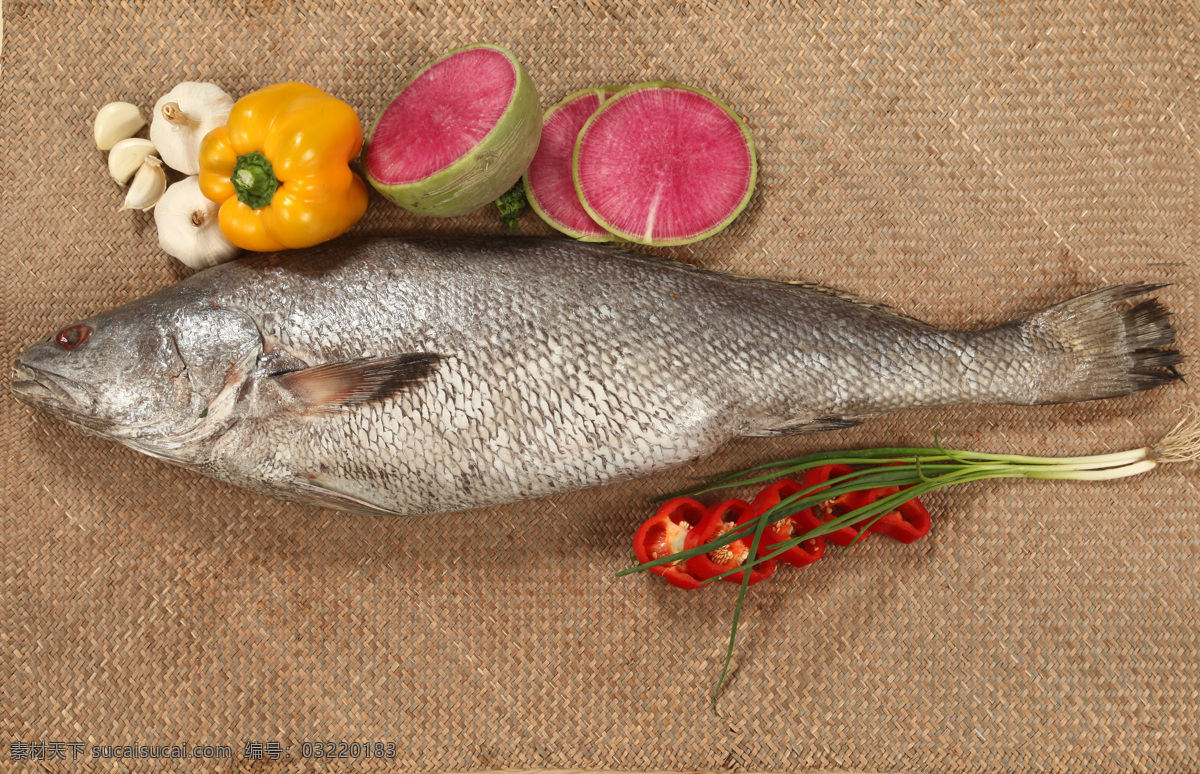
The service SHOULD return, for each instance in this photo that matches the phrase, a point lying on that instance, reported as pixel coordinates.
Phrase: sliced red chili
(721, 518)
(908, 523)
(836, 507)
(664, 534)
(786, 528)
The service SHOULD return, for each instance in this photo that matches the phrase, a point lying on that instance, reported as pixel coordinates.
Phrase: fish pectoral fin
(818, 425)
(336, 386)
(320, 493)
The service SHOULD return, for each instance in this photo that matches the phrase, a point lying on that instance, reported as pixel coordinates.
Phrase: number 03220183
(348, 750)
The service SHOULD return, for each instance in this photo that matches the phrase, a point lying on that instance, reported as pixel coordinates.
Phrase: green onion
(923, 470)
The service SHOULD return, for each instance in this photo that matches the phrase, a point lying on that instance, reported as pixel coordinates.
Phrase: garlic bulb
(115, 122)
(188, 228)
(127, 156)
(181, 119)
(147, 186)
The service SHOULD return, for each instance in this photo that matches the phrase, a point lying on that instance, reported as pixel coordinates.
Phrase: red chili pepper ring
(834, 507)
(789, 527)
(663, 534)
(721, 518)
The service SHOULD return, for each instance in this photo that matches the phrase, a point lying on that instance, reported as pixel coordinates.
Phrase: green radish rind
(606, 93)
(487, 170)
(640, 238)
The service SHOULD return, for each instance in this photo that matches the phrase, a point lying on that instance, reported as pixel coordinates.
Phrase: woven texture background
(961, 161)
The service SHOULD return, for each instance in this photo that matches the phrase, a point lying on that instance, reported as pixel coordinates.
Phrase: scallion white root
(1182, 444)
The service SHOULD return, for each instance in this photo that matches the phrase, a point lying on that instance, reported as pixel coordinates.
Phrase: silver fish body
(426, 376)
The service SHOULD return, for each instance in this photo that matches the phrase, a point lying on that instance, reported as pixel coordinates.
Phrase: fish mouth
(43, 389)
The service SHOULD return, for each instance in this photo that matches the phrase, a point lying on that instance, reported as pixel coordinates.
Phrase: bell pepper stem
(254, 180)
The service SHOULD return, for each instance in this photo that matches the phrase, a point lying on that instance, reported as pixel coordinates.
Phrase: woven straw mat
(964, 162)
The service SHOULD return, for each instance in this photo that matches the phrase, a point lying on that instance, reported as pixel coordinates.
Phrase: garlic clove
(182, 117)
(189, 228)
(127, 156)
(115, 122)
(147, 186)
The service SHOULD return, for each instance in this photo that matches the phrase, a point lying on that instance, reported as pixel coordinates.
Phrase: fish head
(144, 371)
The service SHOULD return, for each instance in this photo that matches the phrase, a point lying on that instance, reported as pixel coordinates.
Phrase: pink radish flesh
(664, 164)
(549, 175)
(440, 116)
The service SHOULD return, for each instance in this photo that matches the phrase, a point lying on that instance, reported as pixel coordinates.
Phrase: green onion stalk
(920, 471)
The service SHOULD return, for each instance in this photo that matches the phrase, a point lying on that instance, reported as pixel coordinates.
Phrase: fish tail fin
(1092, 346)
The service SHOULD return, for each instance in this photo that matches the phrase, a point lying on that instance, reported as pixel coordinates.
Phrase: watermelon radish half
(548, 183)
(664, 164)
(458, 135)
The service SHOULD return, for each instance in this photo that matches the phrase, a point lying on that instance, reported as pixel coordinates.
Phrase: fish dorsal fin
(337, 386)
(846, 295)
(825, 290)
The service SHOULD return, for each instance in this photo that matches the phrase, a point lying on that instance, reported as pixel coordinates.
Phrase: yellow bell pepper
(280, 168)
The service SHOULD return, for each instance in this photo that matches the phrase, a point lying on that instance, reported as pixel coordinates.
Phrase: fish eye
(72, 336)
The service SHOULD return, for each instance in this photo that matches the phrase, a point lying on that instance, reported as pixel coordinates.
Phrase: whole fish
(410, 377)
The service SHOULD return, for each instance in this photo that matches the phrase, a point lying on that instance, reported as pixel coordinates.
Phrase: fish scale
(468, 373)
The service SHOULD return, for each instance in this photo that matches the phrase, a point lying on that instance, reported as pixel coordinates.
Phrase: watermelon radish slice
(664, 164)
(548, 183)
(458, 135)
